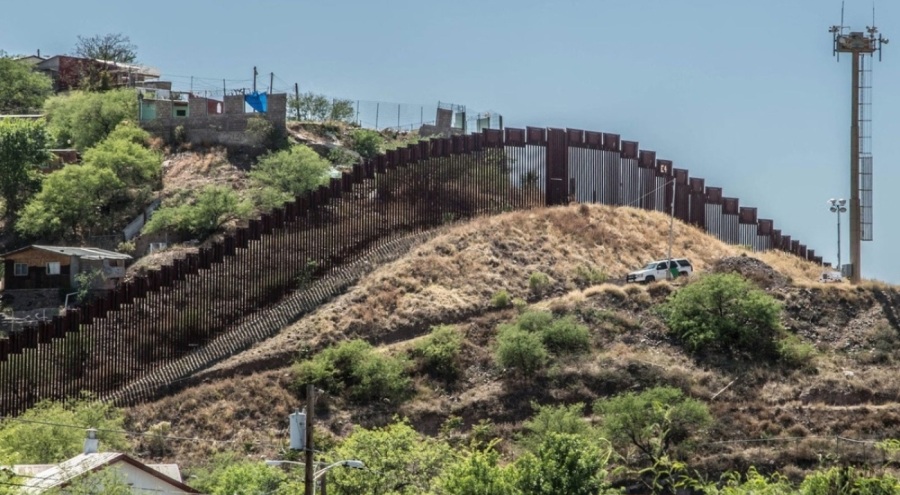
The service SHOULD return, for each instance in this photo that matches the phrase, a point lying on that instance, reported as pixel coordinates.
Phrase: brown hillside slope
(847, 390)
(455, 274)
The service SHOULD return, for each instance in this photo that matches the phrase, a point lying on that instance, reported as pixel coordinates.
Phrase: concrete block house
(39, 276)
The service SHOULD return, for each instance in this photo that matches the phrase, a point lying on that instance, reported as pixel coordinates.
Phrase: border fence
(165, 315)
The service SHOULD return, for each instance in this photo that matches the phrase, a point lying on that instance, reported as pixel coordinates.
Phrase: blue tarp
(257, 101)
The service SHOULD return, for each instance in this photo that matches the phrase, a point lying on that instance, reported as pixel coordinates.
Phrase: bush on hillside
(439, 352)
(355, 368)
(201, 216)
(724, 313)
(82, 119)
(519, 350)
(283, 175)
(500, 299)
(124, 152)
(550, 419)
(366, 142)
(654, 421)
(538, 283)
(566, 336)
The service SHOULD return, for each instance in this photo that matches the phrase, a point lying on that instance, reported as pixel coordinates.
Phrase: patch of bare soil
(752, 269)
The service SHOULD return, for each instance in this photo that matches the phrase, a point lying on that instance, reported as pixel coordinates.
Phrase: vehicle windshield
(651, 265)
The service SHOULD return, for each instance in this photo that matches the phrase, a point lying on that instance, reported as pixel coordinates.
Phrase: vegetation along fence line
(164, 315)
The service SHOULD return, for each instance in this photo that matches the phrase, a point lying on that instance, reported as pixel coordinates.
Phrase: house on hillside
(68, 72)
(140, 477)
(39, 276)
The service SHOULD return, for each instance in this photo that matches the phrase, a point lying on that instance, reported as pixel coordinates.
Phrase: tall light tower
(861, 47)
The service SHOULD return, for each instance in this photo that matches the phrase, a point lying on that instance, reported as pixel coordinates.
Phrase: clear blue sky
(744, 94)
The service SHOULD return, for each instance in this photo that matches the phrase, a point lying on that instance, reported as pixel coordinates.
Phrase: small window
(21, 270)
(53, 268)
(661, 266)
(684, 262)
(181, 113)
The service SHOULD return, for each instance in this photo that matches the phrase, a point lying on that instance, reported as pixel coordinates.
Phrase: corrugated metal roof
(85, 253)
(60, 474)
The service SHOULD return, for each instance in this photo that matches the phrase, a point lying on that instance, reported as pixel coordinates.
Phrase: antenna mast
(861, 47)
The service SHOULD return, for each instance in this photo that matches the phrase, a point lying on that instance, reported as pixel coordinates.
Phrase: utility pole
(309, 478)
(254, 78)
(669, 273)
(271, 81)
(297, 99)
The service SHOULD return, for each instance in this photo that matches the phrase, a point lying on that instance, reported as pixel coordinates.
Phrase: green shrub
(724, 313)
(654, 421)
(796, 353)
(366, 142)
(520, 350)
(82, 119)
(554, 419)
(439, 352)
(520, 304)
(588, 275)
(535, 321)
(500, 299)
(291, 172)
(565, 335)
(213, 207)
(356, 368)
(538, 282)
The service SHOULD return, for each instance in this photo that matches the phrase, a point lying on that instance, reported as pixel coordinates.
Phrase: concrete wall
(228, 128)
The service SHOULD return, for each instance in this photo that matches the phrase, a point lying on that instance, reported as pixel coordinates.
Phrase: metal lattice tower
(861, 47)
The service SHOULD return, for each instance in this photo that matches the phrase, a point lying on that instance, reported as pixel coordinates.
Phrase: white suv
(660, 270)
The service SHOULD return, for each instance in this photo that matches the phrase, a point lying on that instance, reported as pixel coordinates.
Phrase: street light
(350, 463)
(837, 207)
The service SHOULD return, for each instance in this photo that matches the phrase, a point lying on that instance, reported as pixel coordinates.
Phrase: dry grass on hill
(455, 274)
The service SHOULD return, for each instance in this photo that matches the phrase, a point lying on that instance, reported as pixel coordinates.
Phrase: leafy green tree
(439, 352)
(123, 151)
(310, 106)
(229, 475)
(477, 473)
(564, 463)
(519, 350)
(71, 203)
(398, 460)
(550, 419)
(654, 421)
(342, 110)
(724, 313)
(213, 207)
(22, 90)
(113, 47)
(44, 434)
(289, 173)
(82, 119)
(23, 146)
(366, 142)
(355, 367)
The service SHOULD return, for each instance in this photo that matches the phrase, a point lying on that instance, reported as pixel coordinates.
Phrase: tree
(477, 473)
(227, 474)
(82, 119)
(23, 146)
(44, 433)
(550, 419)
(113, 47)
(563, 463)
(520, 350)
(342, 110)
(289, 173)
(653, 421)
(366, 142)
(123, 152)
(310, 106)
(398, 460)
(213, 207)
(724, 313)
(72, 203)
(22, 90)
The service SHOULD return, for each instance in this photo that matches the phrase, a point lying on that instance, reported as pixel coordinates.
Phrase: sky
(747, 95)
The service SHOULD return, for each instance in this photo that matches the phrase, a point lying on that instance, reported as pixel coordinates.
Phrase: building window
(53, 268)
(21, 270)
(180, 113)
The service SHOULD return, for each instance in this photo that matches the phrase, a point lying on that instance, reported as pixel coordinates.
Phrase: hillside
(846, 389)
